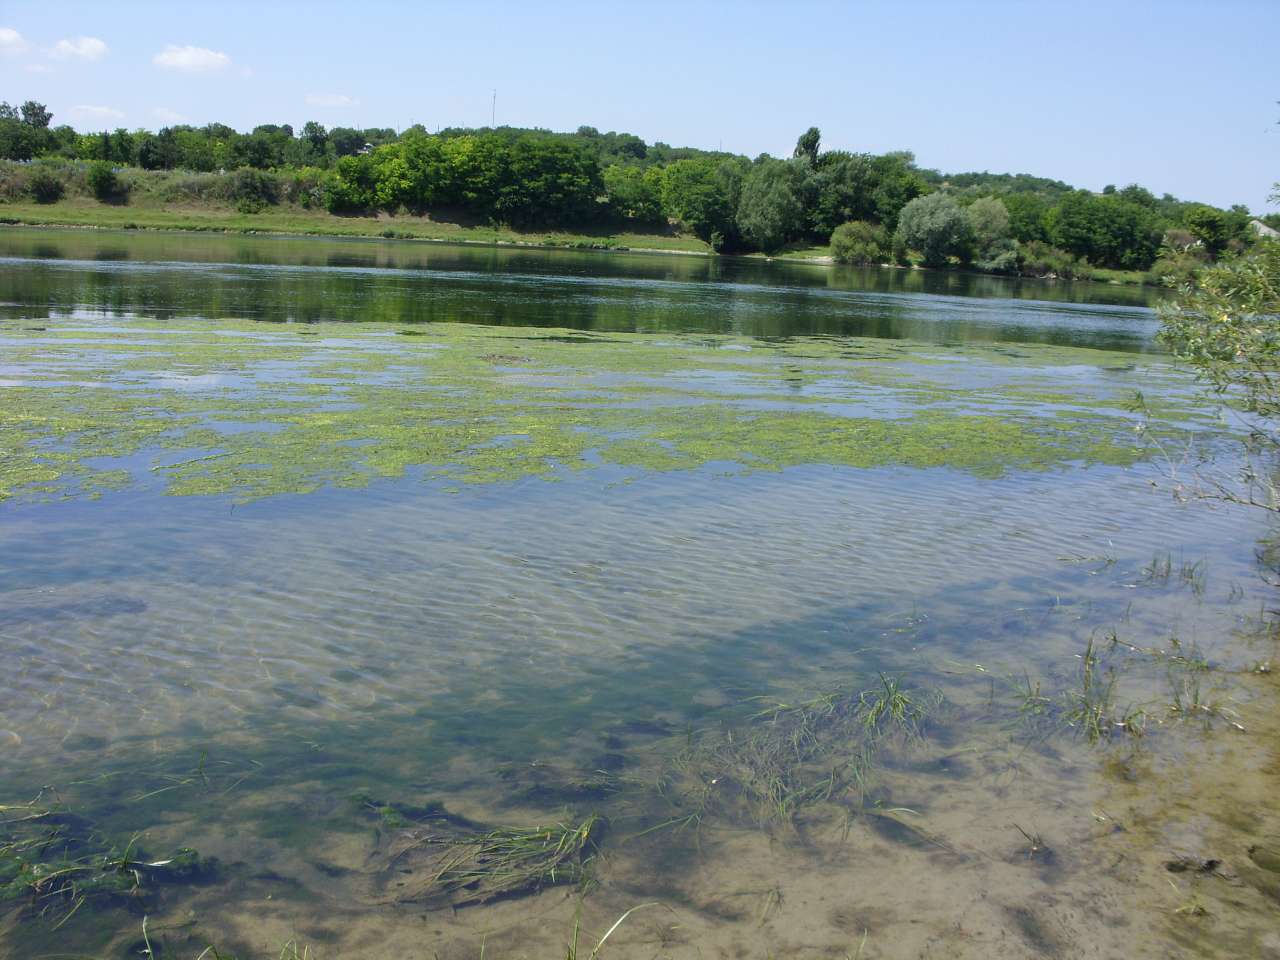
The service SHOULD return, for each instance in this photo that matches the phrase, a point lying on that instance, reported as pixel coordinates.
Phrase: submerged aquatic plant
(508, 861)
(1090, 707)
(571, 952)
(789, 756)
(891, 707)
(52, 859)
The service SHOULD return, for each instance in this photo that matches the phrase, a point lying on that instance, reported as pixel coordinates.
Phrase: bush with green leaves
(251, 190)
(46, 186)
(1225, 322)
(102, 180)
(936, 226)
(1039, 259)
(1182, 254)
(860, 242)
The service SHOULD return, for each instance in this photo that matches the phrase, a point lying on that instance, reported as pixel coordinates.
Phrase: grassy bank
(151, 214)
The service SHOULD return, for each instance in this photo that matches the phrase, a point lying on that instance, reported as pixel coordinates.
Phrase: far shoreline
(566, 241)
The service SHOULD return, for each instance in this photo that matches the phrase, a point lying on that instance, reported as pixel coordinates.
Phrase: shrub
(1223, 325)
(13, 180)
(1039, 259)
(860, 242)
(1001, 258)
(899, 252)
(1177, 264)
(189, 187)
(46, 186)
(304, 186)
(102, 180)
(252, 189)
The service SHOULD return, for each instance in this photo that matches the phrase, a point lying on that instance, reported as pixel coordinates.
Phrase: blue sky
(1180, 97)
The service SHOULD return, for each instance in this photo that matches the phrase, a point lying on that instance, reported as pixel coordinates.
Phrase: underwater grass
(789, 757)
(509, 861)
(571, 952)
(52, 860)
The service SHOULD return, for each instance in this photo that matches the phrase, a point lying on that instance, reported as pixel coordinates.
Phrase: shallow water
(279, 592)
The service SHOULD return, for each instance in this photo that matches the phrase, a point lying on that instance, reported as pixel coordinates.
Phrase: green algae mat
(253, 410)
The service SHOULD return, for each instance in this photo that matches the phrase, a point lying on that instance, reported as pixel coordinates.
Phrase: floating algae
(237, 409)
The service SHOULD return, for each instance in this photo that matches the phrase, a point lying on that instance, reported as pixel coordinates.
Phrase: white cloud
(90, 112)
(165, 115)
(190, 59)
(37, 68)
(11, 41)
(331, 100)
(82, 48)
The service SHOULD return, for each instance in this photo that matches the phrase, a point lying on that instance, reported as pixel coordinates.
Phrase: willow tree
(1225, 323)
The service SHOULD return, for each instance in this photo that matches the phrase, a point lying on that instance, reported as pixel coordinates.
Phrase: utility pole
(493, 110)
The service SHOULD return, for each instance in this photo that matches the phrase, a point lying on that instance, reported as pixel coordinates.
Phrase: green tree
(159, 151)
(121, 146)
(936, 227)
(993, 246)
(633, 192)
(36, 115)
(428, 169)
(1108, 231)
(1139, 195)
(316, 135)
(1026, 216)
(702, 193)
(18, 140)
(548, 181)
(897, 184)
(807, 147)
(769, 209)
(345, 141)
(194, 150)
(352, 185)
(841, 189)
(1209, 226)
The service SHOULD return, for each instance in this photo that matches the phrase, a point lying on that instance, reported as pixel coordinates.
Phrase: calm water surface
(291, 682)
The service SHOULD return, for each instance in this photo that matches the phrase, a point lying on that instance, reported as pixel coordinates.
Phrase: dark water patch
(94, 608)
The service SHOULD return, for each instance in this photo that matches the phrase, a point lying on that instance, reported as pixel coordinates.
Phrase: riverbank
(299, 221)
(290, 220)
